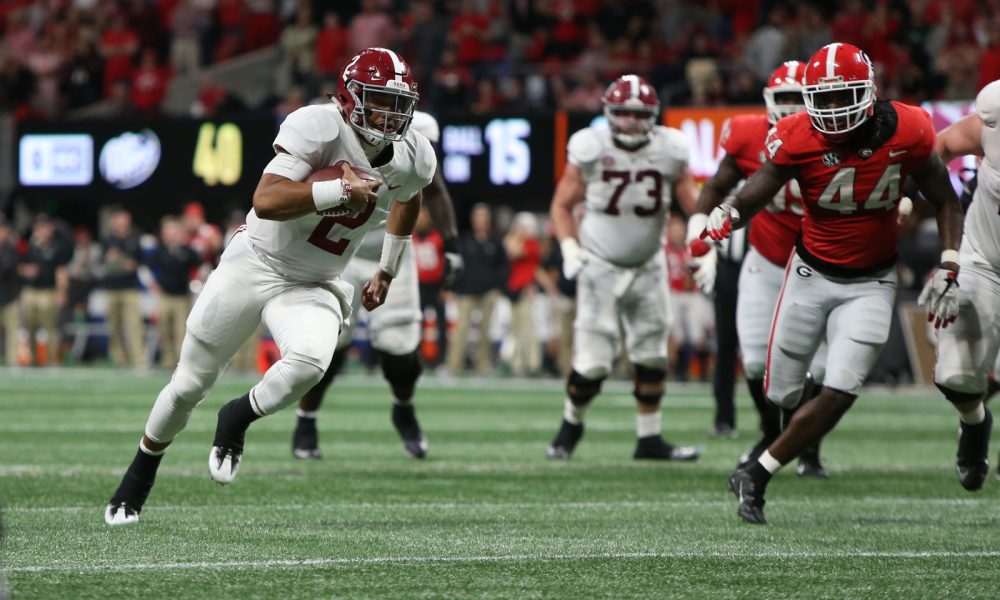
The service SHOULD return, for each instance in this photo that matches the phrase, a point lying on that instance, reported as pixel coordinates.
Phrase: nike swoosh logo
(885, 281)
(398, 185)
(895, 154)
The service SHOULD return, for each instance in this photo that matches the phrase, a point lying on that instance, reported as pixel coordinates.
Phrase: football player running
(283, 269)
(772, 240)
(626, 175)
(967, 351)
(850, 154)
(395, 328)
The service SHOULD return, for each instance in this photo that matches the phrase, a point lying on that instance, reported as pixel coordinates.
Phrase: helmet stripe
(831, 60)
(633, 82)
(397, 65)
(793, 70)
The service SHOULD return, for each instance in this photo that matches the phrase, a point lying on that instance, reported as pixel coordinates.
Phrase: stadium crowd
(481, 55)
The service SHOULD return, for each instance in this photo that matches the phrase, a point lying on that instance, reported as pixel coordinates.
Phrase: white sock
(974, 416)
(573, 413)
(769, 462)
(145, 450)
(648, 424)
(306, 414)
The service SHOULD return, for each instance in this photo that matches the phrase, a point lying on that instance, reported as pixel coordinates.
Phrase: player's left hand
(454, 264)
(374, 291)
(703, 257)
(940, 296)
(721, 221)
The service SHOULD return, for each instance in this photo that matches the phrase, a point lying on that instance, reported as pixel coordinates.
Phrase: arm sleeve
(776, 149)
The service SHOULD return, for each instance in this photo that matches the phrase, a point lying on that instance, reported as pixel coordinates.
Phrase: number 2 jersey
(774, 229)
(982, 222)
(850, 192)
(628, 192)
(317, 248)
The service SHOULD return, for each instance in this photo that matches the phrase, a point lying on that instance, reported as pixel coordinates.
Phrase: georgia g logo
(803, 271)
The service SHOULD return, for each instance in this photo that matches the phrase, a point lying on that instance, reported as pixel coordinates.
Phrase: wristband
(393, 247)
(949, 256)
(330, 194)
(696, 224)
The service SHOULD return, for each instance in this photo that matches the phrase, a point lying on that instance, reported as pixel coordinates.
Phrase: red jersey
(429, 250)
(774, 229)
(677, 269)
(522, 270)
(850, 192)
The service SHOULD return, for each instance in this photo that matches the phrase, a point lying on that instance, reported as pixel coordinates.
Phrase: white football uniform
(395, 326)
(624, 278)
(286, 274)
(967, 350)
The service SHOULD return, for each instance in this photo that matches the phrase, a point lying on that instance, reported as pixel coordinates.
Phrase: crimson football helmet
(839, 90)
(632, 107)
(783, 94)
(377, 95)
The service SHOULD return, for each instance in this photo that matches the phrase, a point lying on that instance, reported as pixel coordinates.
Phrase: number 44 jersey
(314, 247)
(628, 192)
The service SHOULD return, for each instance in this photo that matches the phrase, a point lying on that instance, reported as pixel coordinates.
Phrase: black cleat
(404, 417)
(751, 455)
(973, 463)
(305, 440)
(654, 447)
(230, 433)
(751, 507)
(566, 440)
(810, 466)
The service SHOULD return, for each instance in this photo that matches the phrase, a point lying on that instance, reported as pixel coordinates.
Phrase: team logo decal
(831, 159)
(803, 271)
(608, 161)
(865, 152)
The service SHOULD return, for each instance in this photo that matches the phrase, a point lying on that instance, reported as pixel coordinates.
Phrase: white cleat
(223, 463)
(120, 514)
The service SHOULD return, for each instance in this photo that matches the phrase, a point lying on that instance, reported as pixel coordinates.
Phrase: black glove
(453, 263)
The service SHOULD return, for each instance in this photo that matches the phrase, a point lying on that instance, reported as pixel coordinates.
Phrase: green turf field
(486, 516)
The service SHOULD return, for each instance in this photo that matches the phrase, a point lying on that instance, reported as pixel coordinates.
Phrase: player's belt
(840, 271)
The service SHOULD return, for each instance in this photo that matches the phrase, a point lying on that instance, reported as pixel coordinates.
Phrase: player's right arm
(960, 138)
(583, 150)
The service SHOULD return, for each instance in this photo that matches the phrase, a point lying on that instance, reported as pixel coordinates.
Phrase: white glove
(573, 257)
(940, 296)
(720, 221)
(905, 208)
(703, 257)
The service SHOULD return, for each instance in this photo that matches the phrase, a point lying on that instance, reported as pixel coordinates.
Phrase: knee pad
(581, 390)
(753, 370)
(402, 372)
(958, 396)
(648, 384)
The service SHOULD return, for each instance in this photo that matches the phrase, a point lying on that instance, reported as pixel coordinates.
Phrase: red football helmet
(839, 89)
(783, 94)
(378, 95)
(632, 107)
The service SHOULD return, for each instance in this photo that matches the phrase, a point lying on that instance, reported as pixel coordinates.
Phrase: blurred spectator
(810, 32)
(17, 85)
(451, 83)
(122, 257)
(488, 100)
(172, 263)
(371, 28)
(765, 49)
(428, 247)
(119, 44)
(84, 273)
(331, 45)
(46, 283)
(586, 96)
(46, 61)
(425, 38)
(294, 99)
(477, 290)
(260, 28)
(211, 97)
(83, 83)
(10, 291)
(524, 253)
(470, 29)
(204, 237)
(229, 17)
(186, 25)
(149, 84)
(298, 42)
(120, 102)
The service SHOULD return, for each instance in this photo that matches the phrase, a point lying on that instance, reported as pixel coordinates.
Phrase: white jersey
(427, 126)
(628, 192)
(982, 223)
(316, 248)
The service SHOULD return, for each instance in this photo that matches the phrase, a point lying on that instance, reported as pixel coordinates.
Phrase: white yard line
(321, 562)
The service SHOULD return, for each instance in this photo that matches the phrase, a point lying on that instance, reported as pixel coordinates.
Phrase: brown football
(336, 172)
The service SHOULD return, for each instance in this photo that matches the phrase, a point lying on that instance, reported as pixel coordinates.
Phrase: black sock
(770, 415)
(760, 476)
(138, 480)
(234, 418)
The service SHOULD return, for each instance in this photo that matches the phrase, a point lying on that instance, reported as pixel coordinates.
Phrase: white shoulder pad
(675, 144)
(306, 131)
(988, 104)
(426, 125)
(584, 147)
(424, 160)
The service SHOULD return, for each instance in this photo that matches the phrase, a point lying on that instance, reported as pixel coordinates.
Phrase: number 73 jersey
(850, 192)
(628, 192)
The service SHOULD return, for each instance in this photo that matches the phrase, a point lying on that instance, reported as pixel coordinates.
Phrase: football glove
(720, 221)
(940, 296)
(702, 258)
(454, 264)
(572, 258)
